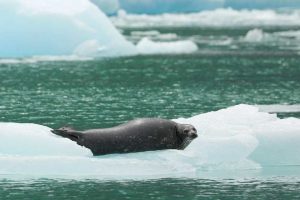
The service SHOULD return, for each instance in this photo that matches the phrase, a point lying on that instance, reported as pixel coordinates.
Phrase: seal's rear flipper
(67, 133)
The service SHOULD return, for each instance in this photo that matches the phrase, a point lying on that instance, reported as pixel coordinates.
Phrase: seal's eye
(186, 131)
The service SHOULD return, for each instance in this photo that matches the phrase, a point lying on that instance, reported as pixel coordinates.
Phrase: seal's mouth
(190, 137)
(193, 134)
(185, 143)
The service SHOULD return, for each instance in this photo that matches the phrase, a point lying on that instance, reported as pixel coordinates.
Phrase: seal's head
(186, 134)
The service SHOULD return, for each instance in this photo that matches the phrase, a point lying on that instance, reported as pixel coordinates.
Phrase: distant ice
(289, 34)
(154, 34)
(219, 42)
(36, 59)
(211, 18)
(254, 35)
(283, 40)
(147, 46)
(145, 33)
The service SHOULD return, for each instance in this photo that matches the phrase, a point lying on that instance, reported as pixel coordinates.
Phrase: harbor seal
(147, 134)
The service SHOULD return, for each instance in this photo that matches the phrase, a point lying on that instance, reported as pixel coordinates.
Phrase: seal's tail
(68, 132)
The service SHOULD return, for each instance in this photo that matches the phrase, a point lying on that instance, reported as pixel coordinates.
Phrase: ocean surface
(253, 65)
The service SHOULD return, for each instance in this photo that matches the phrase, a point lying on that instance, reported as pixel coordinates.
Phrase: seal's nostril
(193, 135)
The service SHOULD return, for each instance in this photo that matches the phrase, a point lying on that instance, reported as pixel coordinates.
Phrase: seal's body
(134, 136)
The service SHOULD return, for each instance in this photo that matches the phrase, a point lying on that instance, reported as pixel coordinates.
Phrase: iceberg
(58, 28)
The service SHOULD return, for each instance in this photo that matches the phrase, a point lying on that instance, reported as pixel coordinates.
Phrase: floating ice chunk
(167, 36)
(278, 143)
(145, 33)
(226, 136)
(224, 42)
(147, 46)
(230, 121)
(289, 34)
(239, 137)
(256, 136)
(111, 167)
(56, 28)
(36, 59)
(254, 35)
(35, 140)
(208, 150)
(153, 35)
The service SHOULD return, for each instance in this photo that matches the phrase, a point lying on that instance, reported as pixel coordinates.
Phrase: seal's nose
(193, 134)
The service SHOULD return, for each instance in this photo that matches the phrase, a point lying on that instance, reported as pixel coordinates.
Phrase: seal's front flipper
(68, 133)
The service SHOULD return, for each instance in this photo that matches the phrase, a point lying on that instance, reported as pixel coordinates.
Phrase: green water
(151, 189)
(103, 93)
(107, 92)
